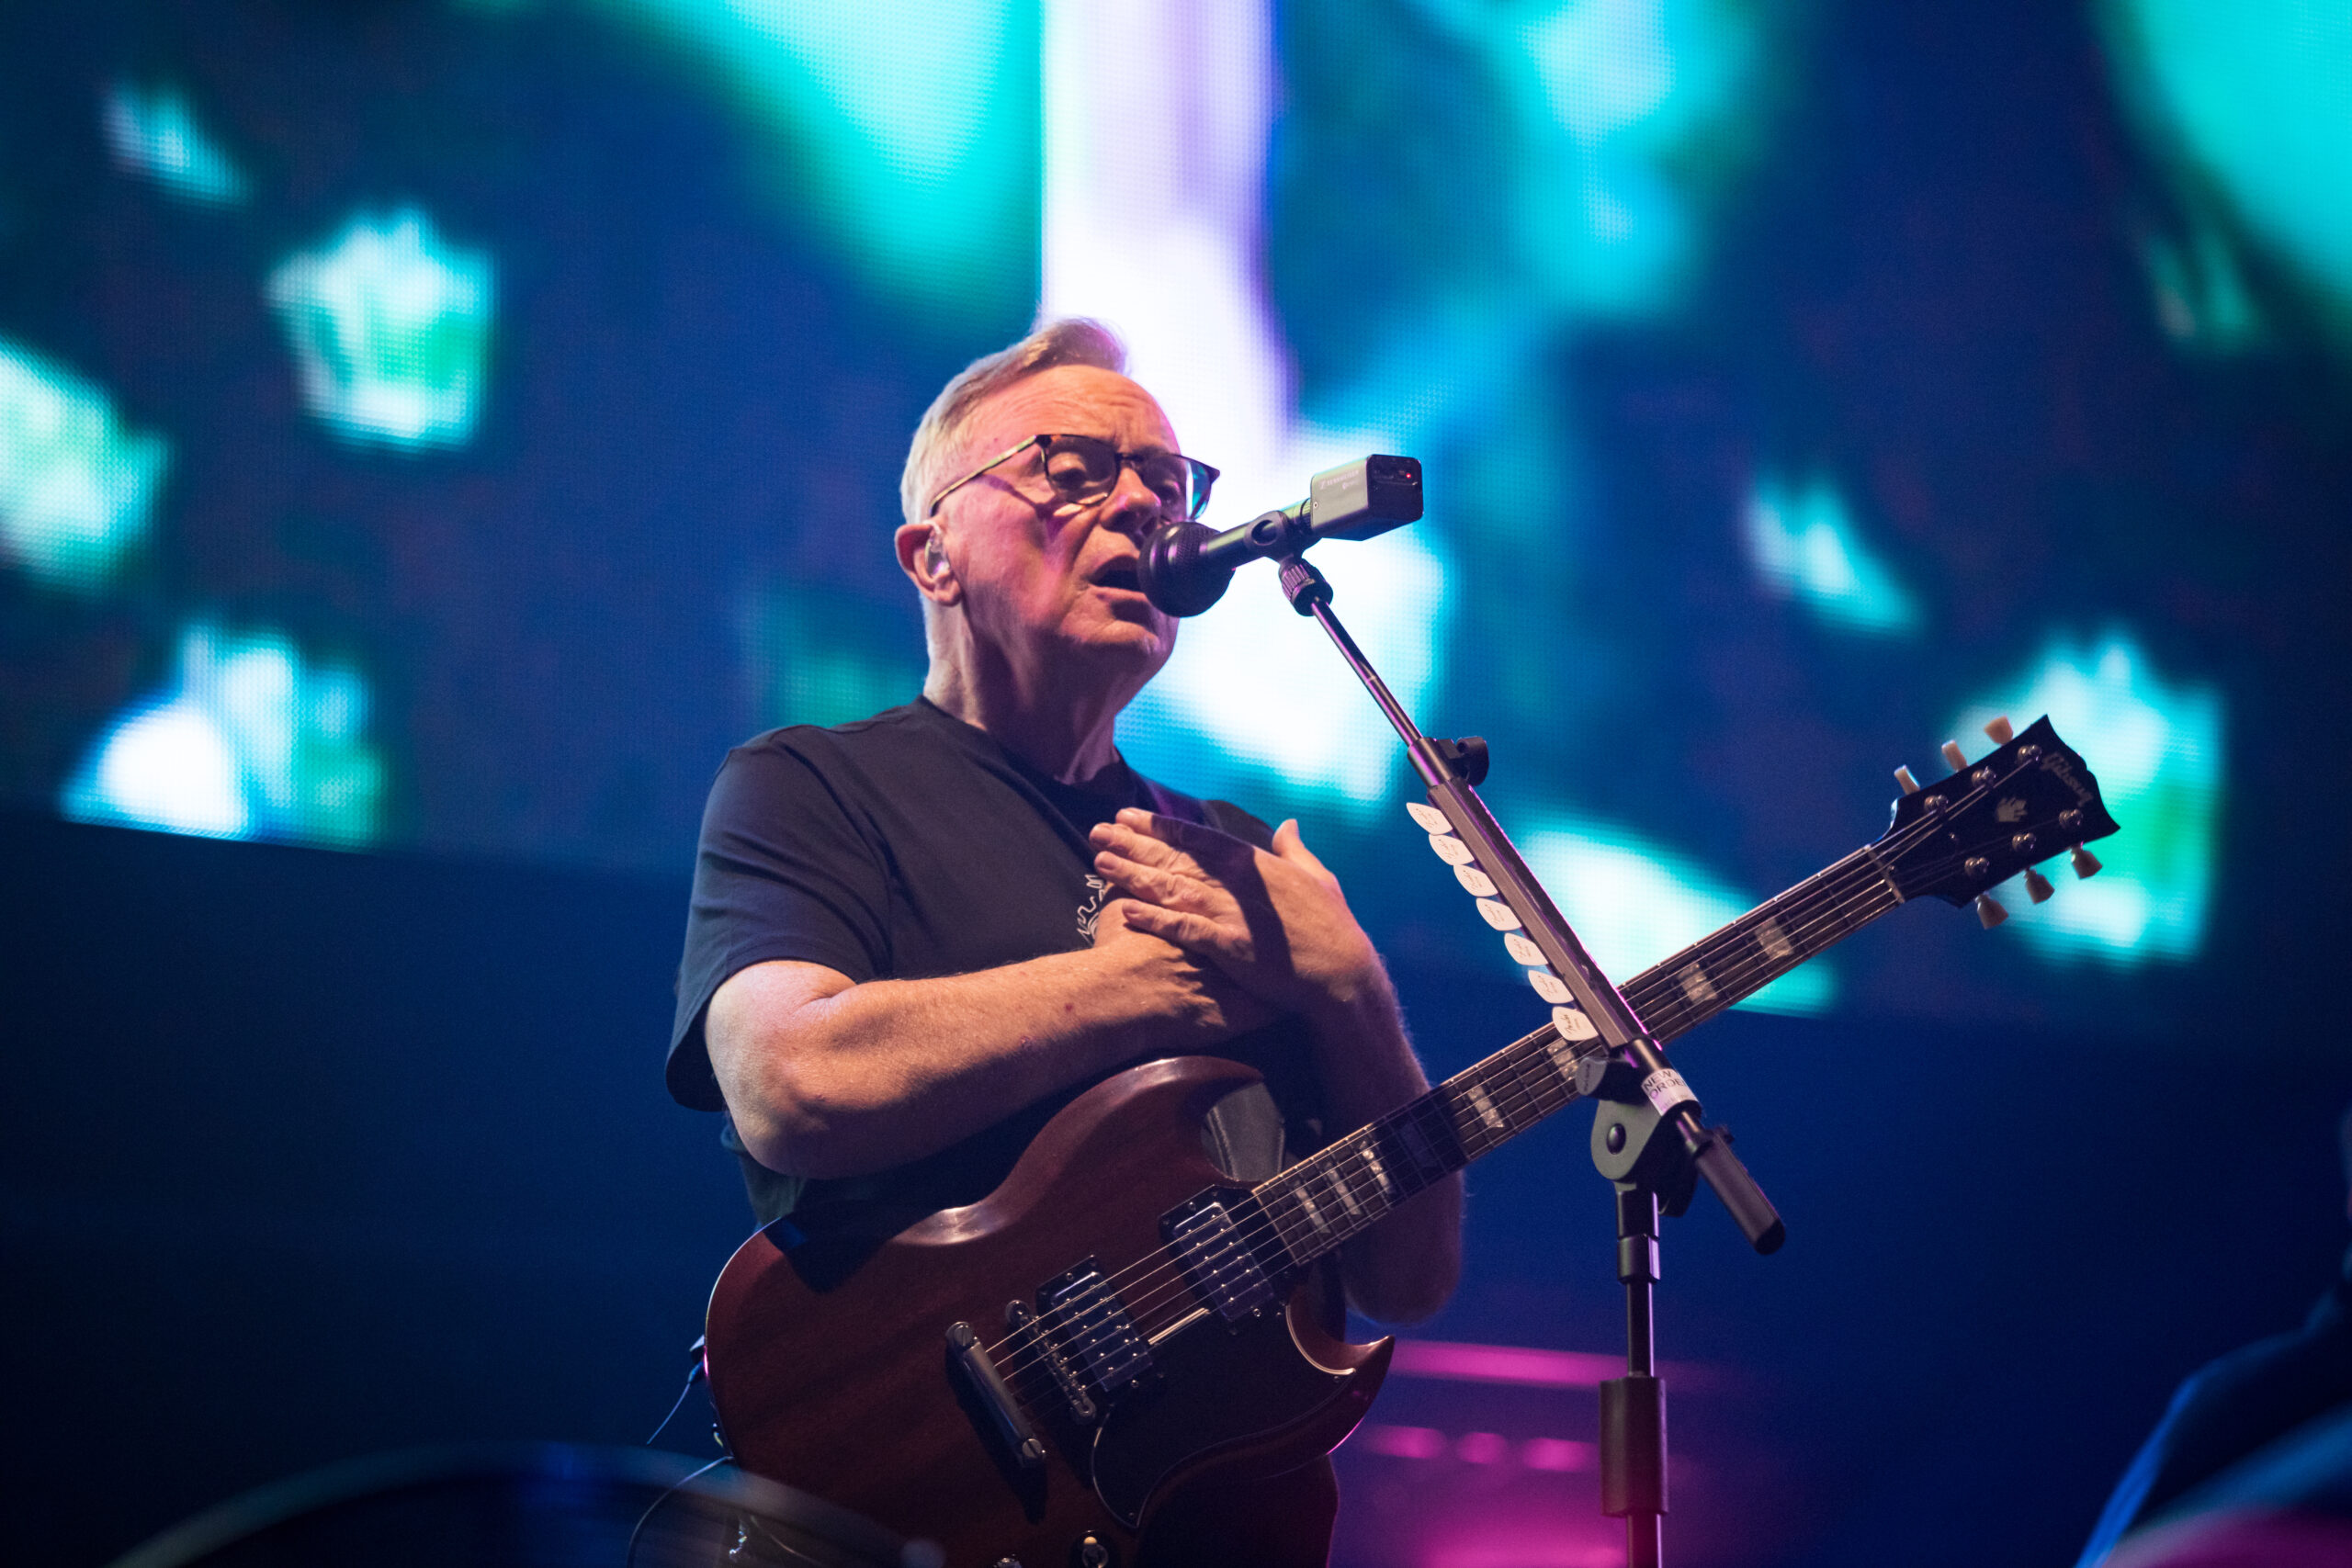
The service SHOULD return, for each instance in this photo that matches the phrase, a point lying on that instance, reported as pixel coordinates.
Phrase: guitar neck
(1350, 1183)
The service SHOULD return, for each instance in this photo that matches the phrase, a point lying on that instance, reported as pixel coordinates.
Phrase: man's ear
(922, 555)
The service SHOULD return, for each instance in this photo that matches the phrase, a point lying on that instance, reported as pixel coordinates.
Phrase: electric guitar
(1028, 1379)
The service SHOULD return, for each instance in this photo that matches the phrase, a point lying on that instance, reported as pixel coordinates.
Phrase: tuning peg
(1903, 776)
(2037, 886)
(2084, 862)
(1989, 910)
(1999, 731)
(1952, 758)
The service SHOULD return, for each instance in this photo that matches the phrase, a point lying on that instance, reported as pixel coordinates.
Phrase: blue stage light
(390, 326)
(251, 740)
(2244, 100)
(1806, 544)
(76, 484)
(156, 135)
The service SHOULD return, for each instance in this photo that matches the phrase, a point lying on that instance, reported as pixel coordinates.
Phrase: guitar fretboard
(1335, 1193)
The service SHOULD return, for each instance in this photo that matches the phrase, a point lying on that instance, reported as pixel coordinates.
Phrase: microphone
(1187, 567)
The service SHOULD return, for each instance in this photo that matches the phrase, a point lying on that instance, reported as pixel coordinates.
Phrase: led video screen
(447, 427)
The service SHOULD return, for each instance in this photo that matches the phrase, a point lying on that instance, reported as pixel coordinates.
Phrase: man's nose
(1133, 507)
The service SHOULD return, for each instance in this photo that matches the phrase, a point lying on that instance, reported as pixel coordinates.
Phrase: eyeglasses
(1086, 469)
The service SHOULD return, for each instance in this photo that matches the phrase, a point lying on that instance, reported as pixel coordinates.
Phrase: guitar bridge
(1081, 1404)
(970, 1358)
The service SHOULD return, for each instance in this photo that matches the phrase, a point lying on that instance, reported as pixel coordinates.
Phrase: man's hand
(1216, 1003)
(1274, 922)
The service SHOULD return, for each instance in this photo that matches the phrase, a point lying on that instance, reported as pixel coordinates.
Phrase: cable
(694, 1376)
(629, 1561)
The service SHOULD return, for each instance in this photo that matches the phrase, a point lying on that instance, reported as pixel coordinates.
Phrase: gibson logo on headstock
(2056, 763)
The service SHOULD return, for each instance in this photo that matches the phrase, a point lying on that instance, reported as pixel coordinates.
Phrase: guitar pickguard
(1229, 1393)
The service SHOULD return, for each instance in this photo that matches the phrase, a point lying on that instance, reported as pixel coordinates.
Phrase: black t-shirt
(907, 846)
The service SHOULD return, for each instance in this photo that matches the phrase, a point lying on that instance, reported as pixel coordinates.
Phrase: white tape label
(1666, 1089)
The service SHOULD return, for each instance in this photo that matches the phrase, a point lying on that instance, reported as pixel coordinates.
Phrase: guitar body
(831, 1368)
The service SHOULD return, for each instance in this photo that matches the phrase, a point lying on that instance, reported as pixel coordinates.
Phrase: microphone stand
(1640, 1094)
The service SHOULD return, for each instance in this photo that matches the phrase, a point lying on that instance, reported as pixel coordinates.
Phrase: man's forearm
(830, 1078)
(1404, 1269)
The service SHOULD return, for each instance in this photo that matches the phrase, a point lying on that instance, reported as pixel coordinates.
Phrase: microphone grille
(1172, 574)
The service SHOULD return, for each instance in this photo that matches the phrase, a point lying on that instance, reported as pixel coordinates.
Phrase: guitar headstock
(2029, 799)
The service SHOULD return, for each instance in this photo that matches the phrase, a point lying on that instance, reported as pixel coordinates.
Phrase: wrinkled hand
(1274, 922)
(1213, 1000)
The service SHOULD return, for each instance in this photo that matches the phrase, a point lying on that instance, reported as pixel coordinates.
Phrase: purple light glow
(1503, 1363)
(1560, 1455)
(1404, 1442)
(1556, 1454)
(1483, 1447)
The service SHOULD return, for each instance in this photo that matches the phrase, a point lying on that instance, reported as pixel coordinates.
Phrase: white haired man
(915, 937)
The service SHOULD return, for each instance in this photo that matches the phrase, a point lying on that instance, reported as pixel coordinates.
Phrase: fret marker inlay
(1486, 1107)
(1696, 985)
(1773, 941)
(1347, 1194)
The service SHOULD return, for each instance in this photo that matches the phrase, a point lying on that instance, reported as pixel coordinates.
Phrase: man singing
(915, 937)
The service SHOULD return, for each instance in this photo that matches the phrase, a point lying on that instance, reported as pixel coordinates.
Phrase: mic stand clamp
(1623, 1059)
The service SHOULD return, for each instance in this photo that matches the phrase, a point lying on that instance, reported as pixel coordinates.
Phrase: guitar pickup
(1225, 1273)
(1090, 1328)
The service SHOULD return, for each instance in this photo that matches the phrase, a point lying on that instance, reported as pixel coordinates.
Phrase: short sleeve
(781, 872)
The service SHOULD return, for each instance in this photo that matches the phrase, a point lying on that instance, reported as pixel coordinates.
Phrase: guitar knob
(2084, 862)
(1952, 758)
(1903, 776)
(2037, 886)
(1999, 731)
(1089, 1552)
(1989, 910)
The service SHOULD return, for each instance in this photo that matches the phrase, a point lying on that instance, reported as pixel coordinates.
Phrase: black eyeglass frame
(1204, 478)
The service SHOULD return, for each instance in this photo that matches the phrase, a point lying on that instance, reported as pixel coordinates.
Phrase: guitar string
(1166, 1281)
(1506, 1075)
(1545, 1091)
(1517, 1095)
